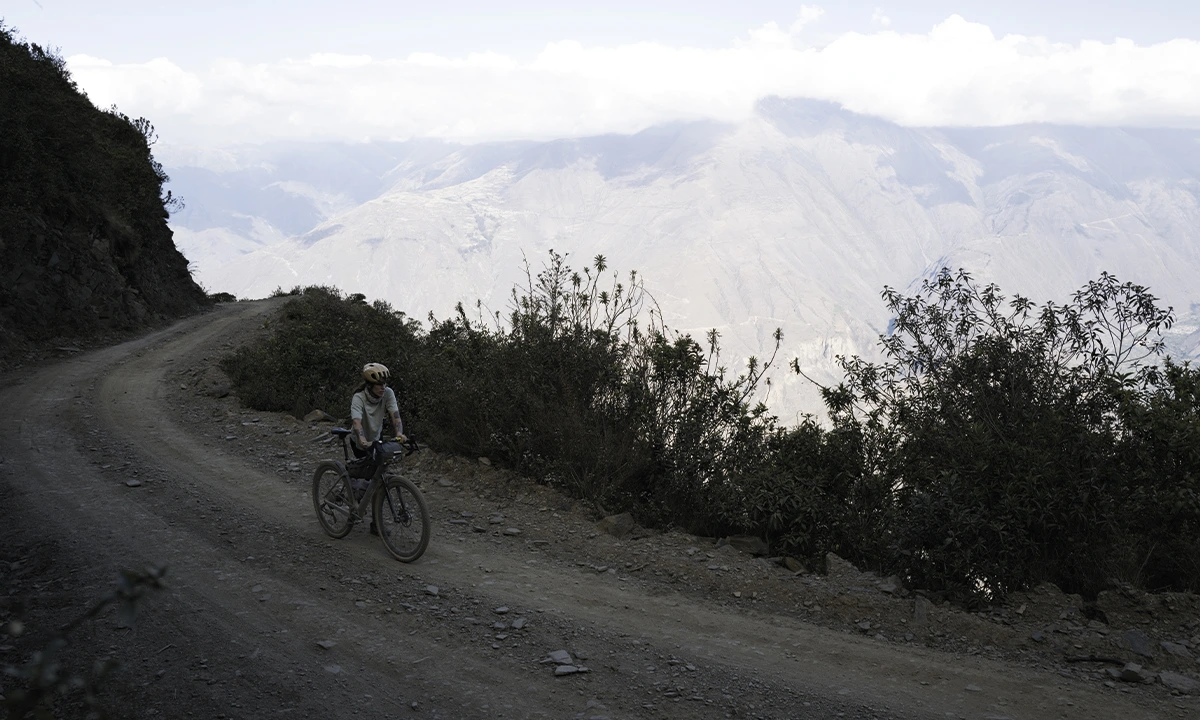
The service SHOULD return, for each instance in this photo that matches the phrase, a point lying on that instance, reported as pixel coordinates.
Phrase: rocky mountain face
(796, 218)
(83, 225)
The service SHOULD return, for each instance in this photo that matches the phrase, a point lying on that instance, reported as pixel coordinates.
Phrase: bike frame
(362, 507)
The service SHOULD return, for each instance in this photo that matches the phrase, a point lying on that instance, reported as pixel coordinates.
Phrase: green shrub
(574, 390)
(998, 427)
(570, 388)
(998, 444)
(1158, 453)
(316, 346)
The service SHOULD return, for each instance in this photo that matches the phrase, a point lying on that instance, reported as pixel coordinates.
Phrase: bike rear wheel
(401, 518)
(332, 499)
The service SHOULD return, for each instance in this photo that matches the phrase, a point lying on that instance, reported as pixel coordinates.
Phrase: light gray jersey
(372, 414)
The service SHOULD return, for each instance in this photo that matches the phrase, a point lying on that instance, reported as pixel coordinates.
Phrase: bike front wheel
(332, 499)
(401, 518)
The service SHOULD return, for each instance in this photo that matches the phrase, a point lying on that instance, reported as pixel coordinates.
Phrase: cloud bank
(958, 73)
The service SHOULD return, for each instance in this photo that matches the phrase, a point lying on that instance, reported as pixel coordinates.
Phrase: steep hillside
(83, 221)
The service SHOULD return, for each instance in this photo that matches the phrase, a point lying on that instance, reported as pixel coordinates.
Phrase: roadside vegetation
(999, 443)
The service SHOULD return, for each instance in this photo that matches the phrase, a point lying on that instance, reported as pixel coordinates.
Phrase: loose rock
(617, 525)
(1138, 642)
(1179, 683)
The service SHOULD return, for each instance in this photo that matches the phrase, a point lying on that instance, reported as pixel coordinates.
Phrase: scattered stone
(617, 525)
(1179, 683)
(973, 688)
(333, 669)
(1038, 636)
(502, 610)
(467, 514)
(133, 483)
(319, 416)
(1176, 649)
(794, 565)
(565, 670)
(1134, 673)
(864, 626)
(326, 644)
(484, 461)
(560, 657)
(512, 531)
(443, 482)
(518, 623)
(496, 519)
(1138, 642)
(431, 590)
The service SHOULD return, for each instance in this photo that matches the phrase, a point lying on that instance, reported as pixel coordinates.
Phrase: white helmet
(376, 374)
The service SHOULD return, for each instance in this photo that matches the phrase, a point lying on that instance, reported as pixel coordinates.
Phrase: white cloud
(808, 15)
(958, 73)
(878, 18)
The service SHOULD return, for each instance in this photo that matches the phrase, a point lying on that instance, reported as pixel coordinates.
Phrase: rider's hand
(401, 439)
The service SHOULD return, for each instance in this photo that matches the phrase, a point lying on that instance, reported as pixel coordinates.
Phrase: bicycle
(397, 507)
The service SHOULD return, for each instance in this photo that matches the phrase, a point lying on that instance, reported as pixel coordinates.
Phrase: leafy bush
(1158, 453)
(998, 444)
(1003, 431)
(569, 388)
(312, 357)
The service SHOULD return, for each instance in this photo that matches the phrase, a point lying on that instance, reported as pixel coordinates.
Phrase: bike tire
(401, 518)
(332, 499)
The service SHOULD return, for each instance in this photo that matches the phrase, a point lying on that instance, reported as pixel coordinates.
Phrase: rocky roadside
(1145, 645)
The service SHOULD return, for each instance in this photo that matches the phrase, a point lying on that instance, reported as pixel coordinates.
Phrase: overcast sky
(221, 72)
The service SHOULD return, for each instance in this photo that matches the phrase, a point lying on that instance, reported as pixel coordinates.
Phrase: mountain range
(795, 218)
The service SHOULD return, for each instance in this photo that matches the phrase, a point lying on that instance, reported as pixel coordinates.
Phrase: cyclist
(372, 403)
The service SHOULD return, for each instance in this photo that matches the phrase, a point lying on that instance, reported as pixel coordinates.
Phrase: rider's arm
(394, 411)
(358, 433)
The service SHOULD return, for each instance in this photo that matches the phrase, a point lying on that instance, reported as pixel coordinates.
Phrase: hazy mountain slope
(794, 219)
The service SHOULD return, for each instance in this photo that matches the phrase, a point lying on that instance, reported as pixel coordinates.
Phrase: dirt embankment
(128, 456)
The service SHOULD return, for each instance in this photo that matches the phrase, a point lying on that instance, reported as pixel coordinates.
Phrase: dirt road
(267, 617)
